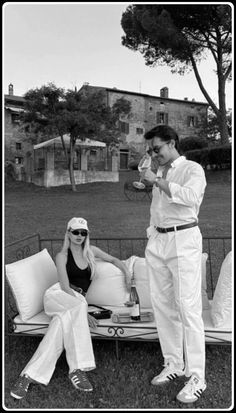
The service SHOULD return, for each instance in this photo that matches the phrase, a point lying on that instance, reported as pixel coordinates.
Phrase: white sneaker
(170, 372)
(192, 390)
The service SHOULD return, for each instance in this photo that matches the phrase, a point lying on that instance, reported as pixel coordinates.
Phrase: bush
(216, 157)
(191, 143)
(220, 156)
(10, 173)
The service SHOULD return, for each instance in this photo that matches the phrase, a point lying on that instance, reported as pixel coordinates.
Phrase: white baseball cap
(77, 223)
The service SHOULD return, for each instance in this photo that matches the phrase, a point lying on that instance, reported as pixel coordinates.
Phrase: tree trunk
(65, 151)
(221, 112)
(222, 116)
(71, 164)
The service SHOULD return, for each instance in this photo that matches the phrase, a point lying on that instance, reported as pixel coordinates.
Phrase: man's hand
(148, 176)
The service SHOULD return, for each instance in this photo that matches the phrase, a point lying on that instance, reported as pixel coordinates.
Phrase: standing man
(173, 256)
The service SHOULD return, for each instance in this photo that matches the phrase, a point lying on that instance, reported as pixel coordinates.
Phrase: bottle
(135, 309)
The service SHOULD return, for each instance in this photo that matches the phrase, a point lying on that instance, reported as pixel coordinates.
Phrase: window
(162, 117)
(18, 160)
(192, 121)
(15, 118)
(123, 127)
(139, 131)
(18, 145)
(41, 163)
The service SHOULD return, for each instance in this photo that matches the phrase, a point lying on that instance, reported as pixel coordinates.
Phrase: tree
(213, 129)
(180, 36)
(52, 111)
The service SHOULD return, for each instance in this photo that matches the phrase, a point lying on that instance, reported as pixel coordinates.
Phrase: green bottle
(135, 309)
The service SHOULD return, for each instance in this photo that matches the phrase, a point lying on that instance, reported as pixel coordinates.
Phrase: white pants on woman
(67, 330)
(174, 270)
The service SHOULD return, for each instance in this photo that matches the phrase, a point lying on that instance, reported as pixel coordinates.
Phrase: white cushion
(142, 283)
(205, 301)
(221, 309)
(29, 279)
(108, 286)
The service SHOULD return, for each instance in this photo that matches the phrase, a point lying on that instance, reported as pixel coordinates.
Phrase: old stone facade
(188, 118)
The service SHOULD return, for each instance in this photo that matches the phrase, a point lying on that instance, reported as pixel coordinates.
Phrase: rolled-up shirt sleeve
(192, 190)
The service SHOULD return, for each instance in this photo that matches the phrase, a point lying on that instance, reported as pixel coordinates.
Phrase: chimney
(185, 98)
(10, 89)
(164, 92)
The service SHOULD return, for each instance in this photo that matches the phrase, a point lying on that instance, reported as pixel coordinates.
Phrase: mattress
(130, 330)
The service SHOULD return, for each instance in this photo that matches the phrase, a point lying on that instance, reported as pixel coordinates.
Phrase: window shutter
(158, 117)
(188, 120)
(166, 118)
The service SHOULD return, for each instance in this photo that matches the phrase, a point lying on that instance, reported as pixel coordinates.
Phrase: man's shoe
(21, 387)
(192, 390)
(80, 381)
(169, 373)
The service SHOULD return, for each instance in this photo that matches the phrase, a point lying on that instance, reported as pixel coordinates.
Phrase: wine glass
(144, 164)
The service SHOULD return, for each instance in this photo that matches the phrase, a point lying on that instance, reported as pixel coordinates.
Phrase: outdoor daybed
(30, 270)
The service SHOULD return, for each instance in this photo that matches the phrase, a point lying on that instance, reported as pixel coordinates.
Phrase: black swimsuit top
(77, 277)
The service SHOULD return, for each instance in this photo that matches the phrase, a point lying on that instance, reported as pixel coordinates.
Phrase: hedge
(216, 157)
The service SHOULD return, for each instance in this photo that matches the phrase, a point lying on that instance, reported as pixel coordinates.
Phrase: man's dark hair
(164, 132)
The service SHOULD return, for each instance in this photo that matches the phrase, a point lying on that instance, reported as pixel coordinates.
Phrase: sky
(73, 43)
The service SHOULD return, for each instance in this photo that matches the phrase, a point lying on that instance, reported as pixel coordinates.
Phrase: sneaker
(21, 387)
(80, 381)
(170, 372)
(192, 390)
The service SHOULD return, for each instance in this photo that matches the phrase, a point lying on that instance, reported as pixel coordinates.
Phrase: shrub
(220, 156)
(191, 143)
(216, 157)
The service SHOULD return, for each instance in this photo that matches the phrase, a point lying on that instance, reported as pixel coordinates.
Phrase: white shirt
(187, 185)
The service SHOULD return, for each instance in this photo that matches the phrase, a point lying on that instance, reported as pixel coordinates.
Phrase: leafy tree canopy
(179, 36)
(166, 33)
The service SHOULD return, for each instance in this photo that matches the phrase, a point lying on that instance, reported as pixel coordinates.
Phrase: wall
(144, 115)
(61, 177)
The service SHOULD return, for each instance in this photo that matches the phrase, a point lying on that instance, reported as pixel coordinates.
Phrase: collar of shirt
(173, 164)
(178, 161)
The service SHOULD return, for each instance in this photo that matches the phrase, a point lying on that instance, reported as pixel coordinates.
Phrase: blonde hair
(88, 254)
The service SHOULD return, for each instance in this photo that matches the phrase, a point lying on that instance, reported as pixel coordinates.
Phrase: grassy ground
(124, 383)
(30, 209)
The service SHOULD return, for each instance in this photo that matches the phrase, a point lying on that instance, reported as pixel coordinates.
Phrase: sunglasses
(82, 232)
(157, 149)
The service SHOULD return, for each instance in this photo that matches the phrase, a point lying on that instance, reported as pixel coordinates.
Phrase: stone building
(15, 145)
(186, 117)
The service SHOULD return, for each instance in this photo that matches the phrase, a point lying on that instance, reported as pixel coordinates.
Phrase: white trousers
(67, 330)
(174, 269)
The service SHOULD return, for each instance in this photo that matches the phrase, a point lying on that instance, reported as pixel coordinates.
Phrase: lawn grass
(125, 383)
(30, 209)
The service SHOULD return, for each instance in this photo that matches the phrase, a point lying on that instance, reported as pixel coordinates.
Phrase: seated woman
(65, 302)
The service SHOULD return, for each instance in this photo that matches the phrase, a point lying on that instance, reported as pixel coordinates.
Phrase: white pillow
(205, 301)
(221, 309)
(108, 286)
(29, 279)
(142, 283)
